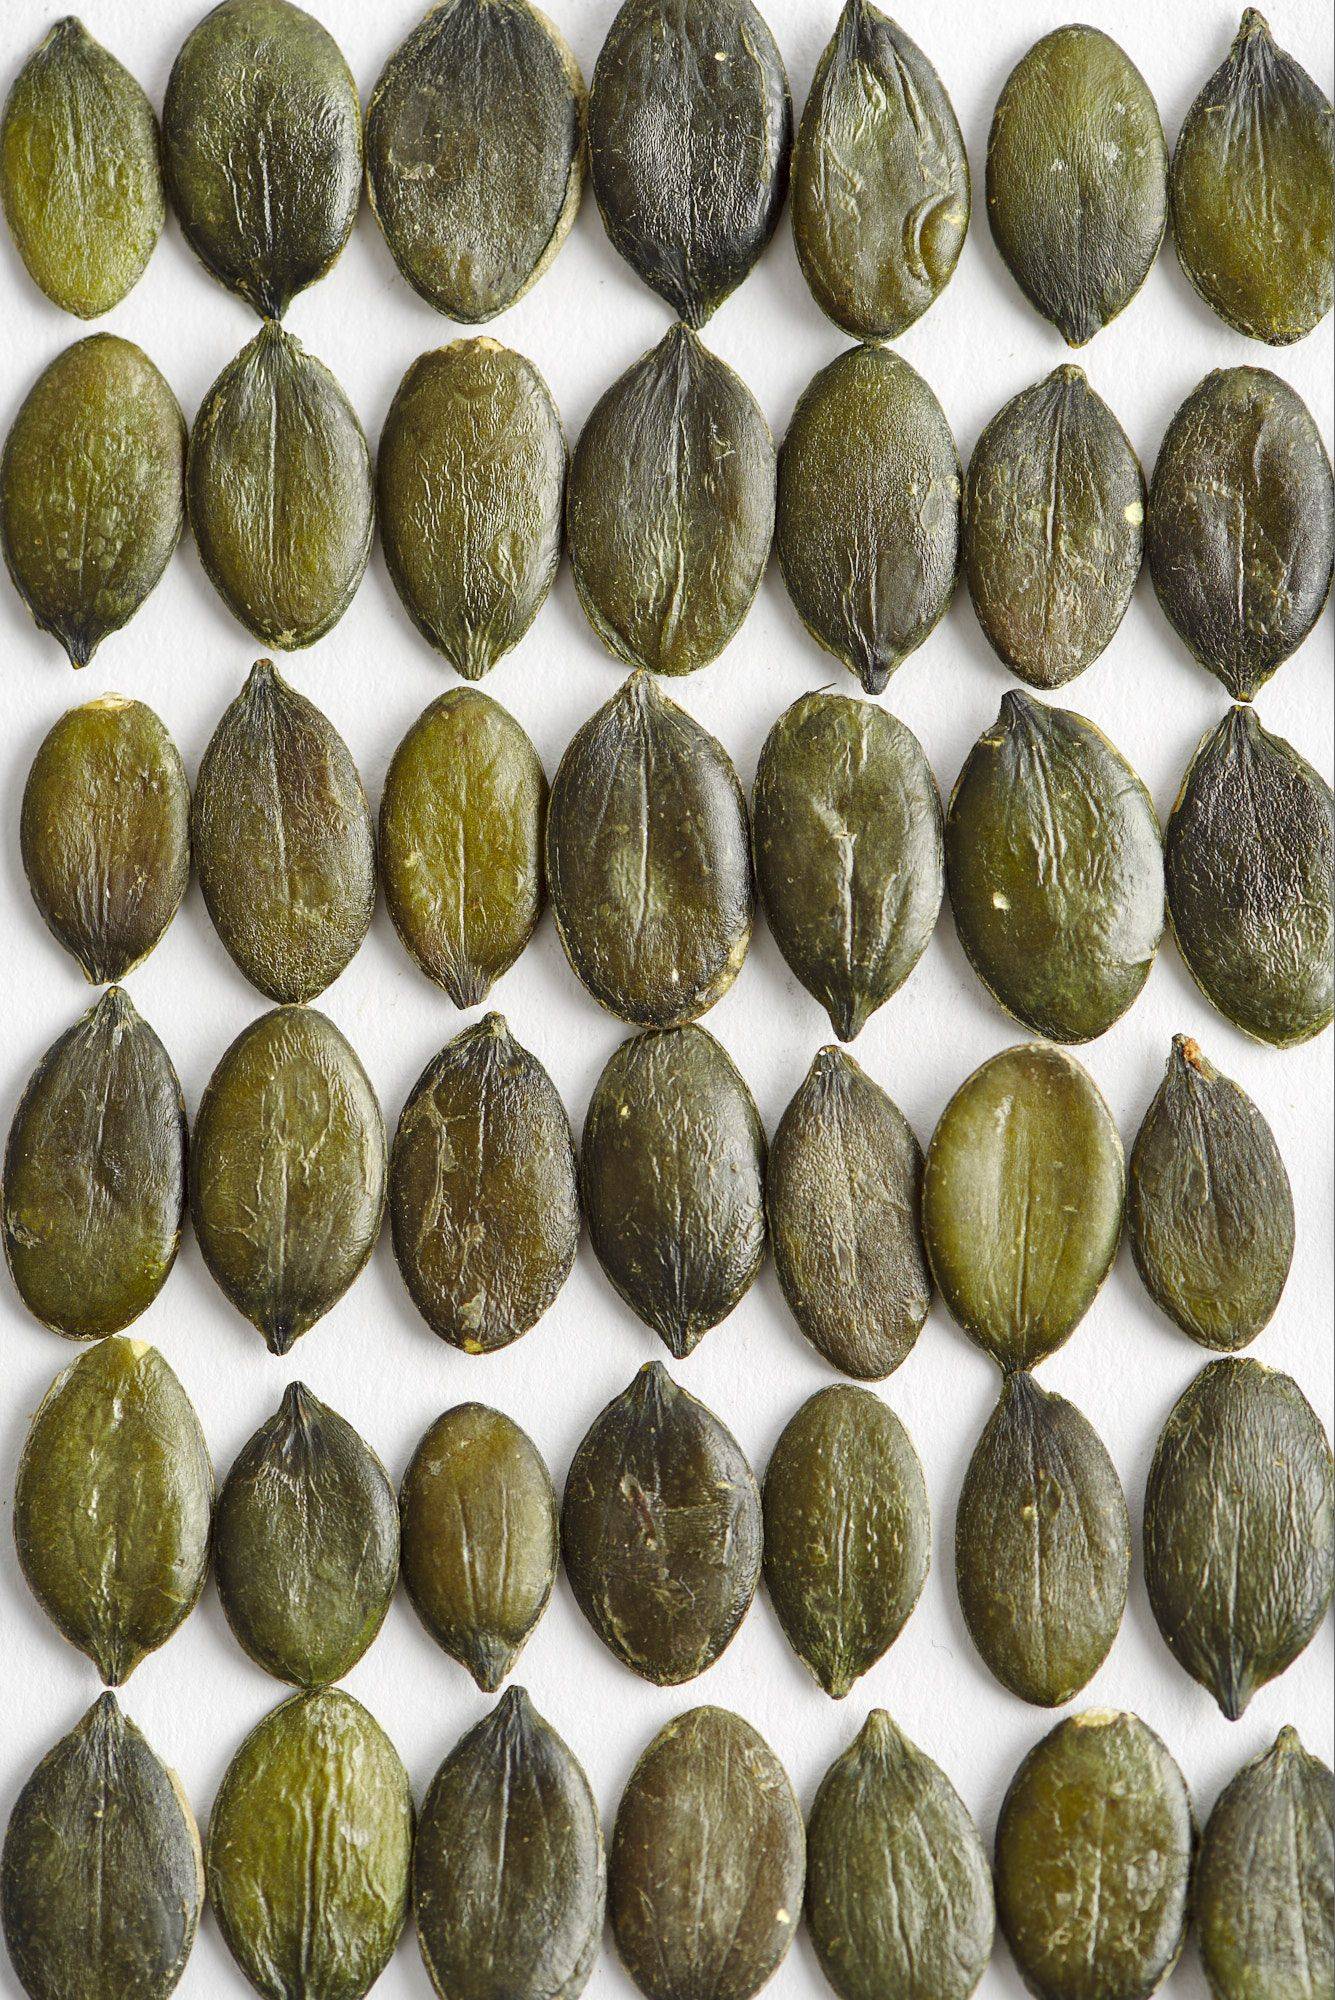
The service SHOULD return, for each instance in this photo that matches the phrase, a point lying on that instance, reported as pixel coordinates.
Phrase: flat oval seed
(509, 1877)
(92, 498)
(1248, 857)
(95, 1174)
(79, 172)
(1042, 1545)
(1022, 1202)
(112, 1505)
(306, 1543)
(649, 860)
(899, 1893)
(287, 1172)
(1240, 1529)
(102, 1876)
(846, 832)
(1054, 861)
(661, 1530)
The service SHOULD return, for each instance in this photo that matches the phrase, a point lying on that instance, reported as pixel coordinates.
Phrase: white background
(372, 1358)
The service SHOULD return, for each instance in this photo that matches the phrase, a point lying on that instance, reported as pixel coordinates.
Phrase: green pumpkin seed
(262, 148)
(287, 1172)
(1077, 179)
(481, 1538)
(1054, 861)
(95, 1166)
(461, 826)
(1042, 1545)
(79, 173)
(661, 1530)
(1253, 214)
(648, 859)
(1022, 1202)
(483, 1198)
(846, 830)
(899, 1893)
(1093, 1861)
(92, 498)
(475, 153)
(1248, 866)
(281, 494)
(509, 1877)
(309, 1851)
(102, 1875)
(867, 527)
(112, 1505)
(105, 833)
(1054, 511)
(1240, 1528)
(306, 1543)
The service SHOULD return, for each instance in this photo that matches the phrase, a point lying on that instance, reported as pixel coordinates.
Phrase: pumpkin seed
(705, 1875)
(648, 859)
(92, 498)
(1251, 191)
(1042, 1545)
(670, 511)
(470, 481)
(868, 521)
(112, 1505)
(105, 833)
(1241, 526)
(1248, 867)
(262, 149)
(1093, 1860)
(306, 1543)
(690, 131)
(1054, 861)
(899, 1893)
(1054, 511)
(846, 822)
(661, 1530)
(1239, 1528)
(309, 1850)
(95, 1165)
(102, 1874)
(509, 1877)
(475, 153)
(483, 1199)
(461, 825)
(79, 172)
(480, 1538)
(1077, 179)
(287, 1172)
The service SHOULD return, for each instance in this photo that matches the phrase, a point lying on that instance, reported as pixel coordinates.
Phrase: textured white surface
(372, 1358)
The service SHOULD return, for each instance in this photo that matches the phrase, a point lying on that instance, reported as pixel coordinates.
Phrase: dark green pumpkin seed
(92, 495)
(867, 527)
(1248, 858)
(281, 493)
(79, 172)
(102, 1874)
(509, 1877)
(306, 1543)
(112, 1505)
(1054, 861)
(648, 859)
(1042, 1545)
(1054, 512)
(899, 1893)
(661, 1530)
(287, 1172)
(1022, 1202)
(1240, 1528)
